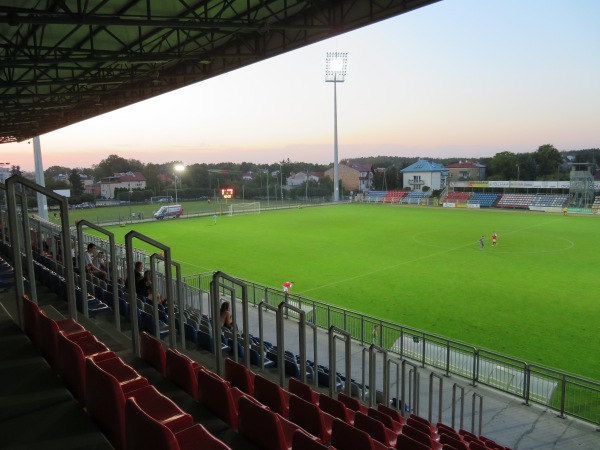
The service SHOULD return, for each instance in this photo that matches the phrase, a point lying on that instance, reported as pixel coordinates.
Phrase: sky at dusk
(464, 78)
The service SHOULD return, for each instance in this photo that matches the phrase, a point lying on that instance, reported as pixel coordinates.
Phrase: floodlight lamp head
(335, 66)
(179, 168)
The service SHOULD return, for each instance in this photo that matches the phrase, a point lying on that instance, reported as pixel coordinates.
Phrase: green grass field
(532, 297)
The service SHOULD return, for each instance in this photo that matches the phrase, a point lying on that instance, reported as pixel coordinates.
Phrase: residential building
(466, 171)
(298, 179)
(354, 176)
(424, 173)
(4, 174)
(128, 180)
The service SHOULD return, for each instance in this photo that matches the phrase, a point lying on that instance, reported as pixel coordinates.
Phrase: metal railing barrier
(220, 282)
(334, 334)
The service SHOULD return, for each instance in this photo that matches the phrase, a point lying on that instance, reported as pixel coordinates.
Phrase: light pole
(130, 213)
(306, 194)
(281, 182)
(178, 168)
(518, 171)
(335, 72)
(268, 175)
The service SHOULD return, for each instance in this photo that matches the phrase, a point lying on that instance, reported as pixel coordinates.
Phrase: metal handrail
(440, 379)
(415, 388)
(338, 333)
(219, 281)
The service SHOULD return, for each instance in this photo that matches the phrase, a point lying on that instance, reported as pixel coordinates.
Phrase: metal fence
(565, 393)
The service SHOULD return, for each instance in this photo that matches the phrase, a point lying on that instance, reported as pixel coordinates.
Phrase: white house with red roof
(466, 171)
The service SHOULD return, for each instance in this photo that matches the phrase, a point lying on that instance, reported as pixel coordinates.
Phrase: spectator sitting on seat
(101, 262)
(226, 318)
(139, 274)
(150, 296)
(143, 284)
(89, 263)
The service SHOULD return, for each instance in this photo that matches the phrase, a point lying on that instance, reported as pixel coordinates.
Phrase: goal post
(161, 199)
(244, 208)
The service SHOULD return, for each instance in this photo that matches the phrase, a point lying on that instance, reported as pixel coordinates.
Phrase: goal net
(161, 199)
(244, 208)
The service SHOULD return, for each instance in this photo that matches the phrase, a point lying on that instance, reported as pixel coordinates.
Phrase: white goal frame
(164, 198)
(236, 209)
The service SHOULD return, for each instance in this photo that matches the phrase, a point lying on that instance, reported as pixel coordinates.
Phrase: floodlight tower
(335, 72)
(178, 168)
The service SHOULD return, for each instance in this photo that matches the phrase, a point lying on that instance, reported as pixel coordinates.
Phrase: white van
(168, 211)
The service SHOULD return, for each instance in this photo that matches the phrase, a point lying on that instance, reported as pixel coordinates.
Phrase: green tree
(116, 164)
(548, 159)
(53, 171)
(504, 166)
(151, 173)
(76, 183)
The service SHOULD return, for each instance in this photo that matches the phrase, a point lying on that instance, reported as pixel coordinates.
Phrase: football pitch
(533, 296)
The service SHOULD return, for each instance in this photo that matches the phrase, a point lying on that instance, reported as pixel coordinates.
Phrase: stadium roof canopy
(62, 62)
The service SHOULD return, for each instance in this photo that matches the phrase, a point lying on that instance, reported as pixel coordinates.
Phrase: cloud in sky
(457, 78)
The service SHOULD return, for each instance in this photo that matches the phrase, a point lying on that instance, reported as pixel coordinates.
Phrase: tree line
(202, 180)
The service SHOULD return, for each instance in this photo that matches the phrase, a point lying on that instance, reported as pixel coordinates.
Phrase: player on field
(481, 242)
(494, 239)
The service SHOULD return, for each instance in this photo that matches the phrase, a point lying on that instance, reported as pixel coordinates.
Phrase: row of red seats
(455, 197)
(394, 196)
(132, 413)
(385, 425)
(317, 413)
(236, 407)
(274, 418)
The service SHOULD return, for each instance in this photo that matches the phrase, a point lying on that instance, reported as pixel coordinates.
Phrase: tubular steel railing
(567, 394)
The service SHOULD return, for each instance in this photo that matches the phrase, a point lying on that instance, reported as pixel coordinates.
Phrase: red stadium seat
(464, 432)
(183, 371)
(389, 423)
(49, 329)
(145, 432)
(445, 429)
(393, 413)
(336, 409)
(405, 442)
(490, 443)
(477, 445)
(153, 352)
(267, 429)
(424, 428)
(311, 418)
(432, 428)
(217, 395)
(303, 391)
(454, 442)
(272, 395)
(31, 312)
(352, 403)
(73, 350)
(105, 400)
(375, 429)
(347, 437)
(162, 409)
(421, 437)
(239, 376)
(303, 441)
